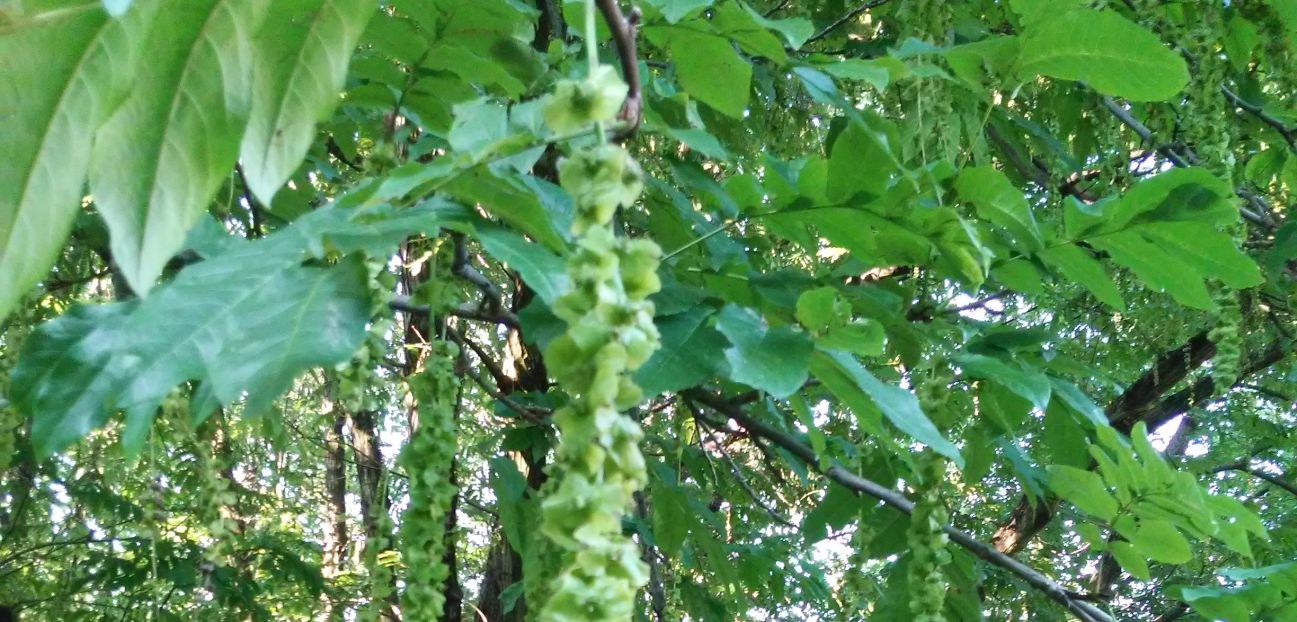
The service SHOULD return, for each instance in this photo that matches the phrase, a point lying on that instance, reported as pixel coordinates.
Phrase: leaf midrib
(176, 96)
(29, 174)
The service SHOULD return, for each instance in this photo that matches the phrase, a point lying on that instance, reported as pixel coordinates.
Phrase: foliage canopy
(701, 310)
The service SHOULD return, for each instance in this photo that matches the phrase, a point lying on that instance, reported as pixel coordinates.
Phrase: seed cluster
(610, 334)
(427, 460)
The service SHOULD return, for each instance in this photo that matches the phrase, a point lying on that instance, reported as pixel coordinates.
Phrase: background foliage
(970, 310)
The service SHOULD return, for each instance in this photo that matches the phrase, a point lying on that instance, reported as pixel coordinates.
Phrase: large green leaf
(540, 269)
(861, 161)
(708, 68)
(1076, 264)
(69, 370)
(59, 79)
(159, 159)
(1085, 489)
(691, 353)
(1158, 269)
(1002, 203)
(1109, 52)
(244, 324)
(771, 359)
(300, 67)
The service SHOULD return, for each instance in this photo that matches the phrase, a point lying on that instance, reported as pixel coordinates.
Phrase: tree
(697, 310)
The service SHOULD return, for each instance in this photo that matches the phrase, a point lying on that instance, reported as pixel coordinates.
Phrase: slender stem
(592, 55)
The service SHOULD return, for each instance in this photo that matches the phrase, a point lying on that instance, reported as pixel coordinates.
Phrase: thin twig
(841, 21)
(738, 475)
(1243, 467)
(1289, 134)
(1259, 214)
(624, 29)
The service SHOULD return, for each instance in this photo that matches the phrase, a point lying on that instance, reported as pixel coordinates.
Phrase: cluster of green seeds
(427, 461)
(610, 333)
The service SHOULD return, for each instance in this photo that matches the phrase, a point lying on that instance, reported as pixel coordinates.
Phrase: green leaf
(1209, 251)
(691, 353)
(858, 144)
(671, 518)
(1076, 264)
(771, 359)
(794, 30)
(1158, 269)
(862, 337)
(709, 69)
(301, 62)
(68, 368)
(244, 324)
(817, 308)
(1180, 194)
(509, 487)
(540, 269)
(676, 10)
(62, 77)
(899, 406)
(1109, 52)
(161, 157)
(1002, 203)
(1130, 560)
(1084, 489)
(1030, 385)
(1075, 399)
(525, 204)
(741, 27)
(878, 72)
(1159, 541)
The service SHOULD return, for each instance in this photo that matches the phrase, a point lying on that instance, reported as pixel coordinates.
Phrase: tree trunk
(335, 509)
(374, 500)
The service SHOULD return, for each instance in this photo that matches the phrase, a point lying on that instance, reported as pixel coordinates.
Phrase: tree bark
(374, 500)
(335, 510)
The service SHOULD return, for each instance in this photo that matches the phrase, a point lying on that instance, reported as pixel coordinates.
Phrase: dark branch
(624, 30)
(1258, 214)
(1289, 134)
(841, 21)
(492, 299)
(503, 318)
(1243, 467)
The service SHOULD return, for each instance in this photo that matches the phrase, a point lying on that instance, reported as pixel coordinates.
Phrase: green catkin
(1228, 340)
(928, 544)
(927, 104)
(216, 495)
(610, 334)
(378, 562)
(427, 460)
(927, 541)
(856, 587)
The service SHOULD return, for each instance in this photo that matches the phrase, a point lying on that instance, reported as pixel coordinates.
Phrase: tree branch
(842, 21)
(837, 473)
(1243, 467)
(624, 29)
(1258, 214)
(1288, 134)
(492, 299)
